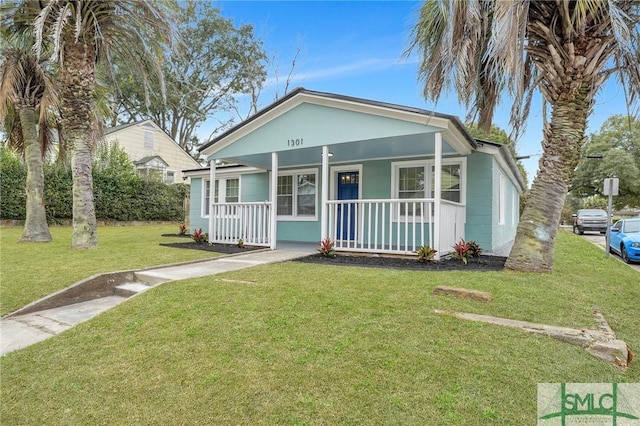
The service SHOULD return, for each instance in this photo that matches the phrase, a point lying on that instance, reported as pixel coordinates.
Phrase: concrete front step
(130, 289)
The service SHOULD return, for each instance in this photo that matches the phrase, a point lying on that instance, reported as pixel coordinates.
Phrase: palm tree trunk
(78, 84)
(35, 226)
(562, 140)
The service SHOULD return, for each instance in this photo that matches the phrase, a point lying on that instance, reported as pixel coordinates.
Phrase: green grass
(30, 271)
(300, 344)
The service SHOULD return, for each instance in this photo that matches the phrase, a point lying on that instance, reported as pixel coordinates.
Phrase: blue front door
(347, 190)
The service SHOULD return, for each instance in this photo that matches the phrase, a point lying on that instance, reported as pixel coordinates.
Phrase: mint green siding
(504, 232)
(316, 125)
(479, 199)
(376, 179)
(483, 203)
(196, 220)
(254, 187)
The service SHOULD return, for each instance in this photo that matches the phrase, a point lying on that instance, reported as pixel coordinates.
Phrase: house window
(306, 195)
(170, 177)
(232, 192)
(450, 182)
(410, 181)
(285, 195)
(410, 185)
(230, 189)
(148, 140)
(297, 194)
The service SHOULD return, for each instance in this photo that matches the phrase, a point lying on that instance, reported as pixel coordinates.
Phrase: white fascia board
(456, 139)
(223, 171)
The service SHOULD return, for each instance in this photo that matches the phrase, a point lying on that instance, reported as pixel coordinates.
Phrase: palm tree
(454, 37)
(563, 49)
(27, 89)
(81, 34)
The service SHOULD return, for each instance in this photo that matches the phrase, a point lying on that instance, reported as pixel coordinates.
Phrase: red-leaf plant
(462, 250)
(199, 236)
(326, 248)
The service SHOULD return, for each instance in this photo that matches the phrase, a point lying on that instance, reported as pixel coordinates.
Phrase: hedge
(119, 193)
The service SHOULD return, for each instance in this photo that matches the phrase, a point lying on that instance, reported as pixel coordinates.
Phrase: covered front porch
(353, 225)
(334, 137)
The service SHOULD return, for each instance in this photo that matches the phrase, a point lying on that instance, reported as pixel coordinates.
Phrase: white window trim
(515, 208)
(294, 217)
(502, 195)
(428, 164)
(222, 191)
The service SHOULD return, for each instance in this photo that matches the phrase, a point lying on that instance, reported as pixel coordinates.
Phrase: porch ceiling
(414, 145)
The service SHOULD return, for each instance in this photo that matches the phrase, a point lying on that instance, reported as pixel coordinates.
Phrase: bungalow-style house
(371, 176)
(152, 151)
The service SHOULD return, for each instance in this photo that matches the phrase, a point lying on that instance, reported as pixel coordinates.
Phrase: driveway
(600, 241)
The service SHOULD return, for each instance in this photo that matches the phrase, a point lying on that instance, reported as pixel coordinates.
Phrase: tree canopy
(213, 64)
(614, 151)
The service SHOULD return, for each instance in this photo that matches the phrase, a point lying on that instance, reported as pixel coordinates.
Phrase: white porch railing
(398, 226)
(246, 221)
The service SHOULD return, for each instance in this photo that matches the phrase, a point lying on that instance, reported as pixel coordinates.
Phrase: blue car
(625, 239)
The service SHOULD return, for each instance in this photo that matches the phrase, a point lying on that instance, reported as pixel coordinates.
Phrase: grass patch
(30, 271)
(308, 344)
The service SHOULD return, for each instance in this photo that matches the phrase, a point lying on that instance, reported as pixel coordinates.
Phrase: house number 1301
(294, 142)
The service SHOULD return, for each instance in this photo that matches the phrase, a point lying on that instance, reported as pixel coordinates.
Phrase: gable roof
(126, 125)
(145, 160)
(354, 100)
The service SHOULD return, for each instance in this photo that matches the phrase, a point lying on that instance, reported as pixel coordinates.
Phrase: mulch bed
(176, 235)
(479, 264)
(217, 248)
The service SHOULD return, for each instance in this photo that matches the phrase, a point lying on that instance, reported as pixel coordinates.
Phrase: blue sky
(356, 48)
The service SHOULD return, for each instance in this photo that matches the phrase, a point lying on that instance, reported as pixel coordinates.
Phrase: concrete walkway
(20, 331)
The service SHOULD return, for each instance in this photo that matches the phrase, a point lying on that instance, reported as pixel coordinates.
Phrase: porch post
(437, 193)
(325, 192)
(212, 195)
(274, 199)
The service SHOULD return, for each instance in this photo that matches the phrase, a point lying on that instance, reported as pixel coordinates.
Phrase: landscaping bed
(217, 248)
(478, 264)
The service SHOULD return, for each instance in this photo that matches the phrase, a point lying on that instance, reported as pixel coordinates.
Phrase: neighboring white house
(152, 151)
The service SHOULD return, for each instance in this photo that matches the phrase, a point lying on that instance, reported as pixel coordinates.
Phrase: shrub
(240, 243)
(13, 177)
(119, 193)
(474, 249)
(199, 236)
(326, 248)
(426, 254)
(183, 229)
(462, 250)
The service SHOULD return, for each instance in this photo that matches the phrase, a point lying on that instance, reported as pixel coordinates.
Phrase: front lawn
(30, 271)
(297, 344)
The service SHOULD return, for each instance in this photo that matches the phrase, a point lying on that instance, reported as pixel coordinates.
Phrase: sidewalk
(18, 332)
